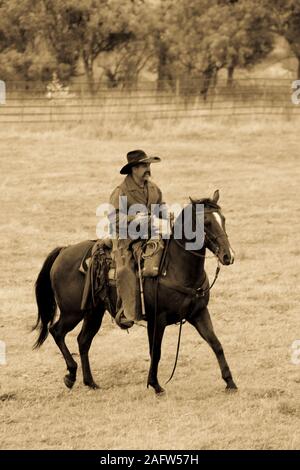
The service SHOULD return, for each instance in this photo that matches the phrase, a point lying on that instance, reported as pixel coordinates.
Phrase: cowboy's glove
(160, 227)
(141, 223)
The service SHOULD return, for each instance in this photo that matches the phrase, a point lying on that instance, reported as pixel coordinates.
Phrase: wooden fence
(248, 97)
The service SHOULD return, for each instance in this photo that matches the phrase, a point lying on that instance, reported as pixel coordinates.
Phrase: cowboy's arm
(119, 218)
(162, 212)
(160, 223)
(115, 214)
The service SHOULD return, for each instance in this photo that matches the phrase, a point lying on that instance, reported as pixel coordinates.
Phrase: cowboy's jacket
(135, 194)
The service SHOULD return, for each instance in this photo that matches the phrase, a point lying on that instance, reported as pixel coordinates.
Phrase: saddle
(99, 268)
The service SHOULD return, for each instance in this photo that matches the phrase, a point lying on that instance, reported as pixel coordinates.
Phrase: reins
(197, 294)
(182, 322)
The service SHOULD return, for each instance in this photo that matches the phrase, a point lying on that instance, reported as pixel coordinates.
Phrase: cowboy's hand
(142, 220)
(160, 227)
(141, 217)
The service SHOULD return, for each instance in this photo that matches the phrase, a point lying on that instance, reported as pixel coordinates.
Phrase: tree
(60, 35)
(190, 37)
(124, 64)
(209, 35)
(22, 52)
(161, 22)
(85, 29)
(284, 20)
(242, 39)
(149, 46)
(59, 19)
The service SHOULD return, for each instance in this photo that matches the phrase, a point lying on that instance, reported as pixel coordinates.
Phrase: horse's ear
(192, 200)
(216, 196)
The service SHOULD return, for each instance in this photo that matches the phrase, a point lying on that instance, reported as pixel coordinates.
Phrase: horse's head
(216, 239)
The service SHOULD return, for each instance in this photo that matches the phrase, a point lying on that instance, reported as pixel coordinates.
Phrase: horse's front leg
(155, 336)
(202, 322)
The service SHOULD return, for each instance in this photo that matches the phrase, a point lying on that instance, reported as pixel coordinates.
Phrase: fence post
(51, 104)
(2, 92)
(81, 104)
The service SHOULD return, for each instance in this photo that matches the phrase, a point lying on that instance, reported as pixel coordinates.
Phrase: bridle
(201, 291)
(211, 238)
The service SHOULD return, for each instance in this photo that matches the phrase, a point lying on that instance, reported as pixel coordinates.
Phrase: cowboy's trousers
(127, 284)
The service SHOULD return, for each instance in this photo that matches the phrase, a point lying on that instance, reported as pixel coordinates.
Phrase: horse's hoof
(160, 393)
(68, 382)
(92, 385)
(231, 388)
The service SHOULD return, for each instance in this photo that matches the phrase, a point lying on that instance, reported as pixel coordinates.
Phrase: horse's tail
(45, 298)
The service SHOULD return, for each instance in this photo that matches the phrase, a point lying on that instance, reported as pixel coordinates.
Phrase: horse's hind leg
(202, 322)
(59, 330)
(91, 324)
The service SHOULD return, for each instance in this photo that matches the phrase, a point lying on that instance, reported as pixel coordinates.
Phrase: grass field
(51, 184)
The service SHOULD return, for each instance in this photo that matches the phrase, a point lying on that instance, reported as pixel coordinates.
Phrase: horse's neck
(184, 267)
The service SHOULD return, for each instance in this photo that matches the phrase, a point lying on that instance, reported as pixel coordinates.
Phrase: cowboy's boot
(121, 320)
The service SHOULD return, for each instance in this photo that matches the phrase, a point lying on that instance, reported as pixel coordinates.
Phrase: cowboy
(135, 189)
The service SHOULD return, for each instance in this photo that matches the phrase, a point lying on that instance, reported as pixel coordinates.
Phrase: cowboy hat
(135, 157)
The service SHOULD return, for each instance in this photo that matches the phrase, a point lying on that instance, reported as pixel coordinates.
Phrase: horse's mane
(207, 202)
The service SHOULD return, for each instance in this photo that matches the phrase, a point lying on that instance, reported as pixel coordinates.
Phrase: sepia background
(207, 85)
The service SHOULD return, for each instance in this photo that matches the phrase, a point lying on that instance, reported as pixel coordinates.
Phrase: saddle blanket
(87, 259)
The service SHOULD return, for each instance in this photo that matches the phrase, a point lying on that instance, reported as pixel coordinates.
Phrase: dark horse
(182, 292)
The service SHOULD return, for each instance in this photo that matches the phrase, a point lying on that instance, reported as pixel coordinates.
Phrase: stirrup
(122, 321)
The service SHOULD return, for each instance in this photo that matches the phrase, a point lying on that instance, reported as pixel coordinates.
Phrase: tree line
(190, 39)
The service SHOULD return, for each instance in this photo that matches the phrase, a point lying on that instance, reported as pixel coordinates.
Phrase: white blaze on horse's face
(219, 221)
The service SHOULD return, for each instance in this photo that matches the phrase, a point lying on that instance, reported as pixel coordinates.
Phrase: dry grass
(52, 182)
